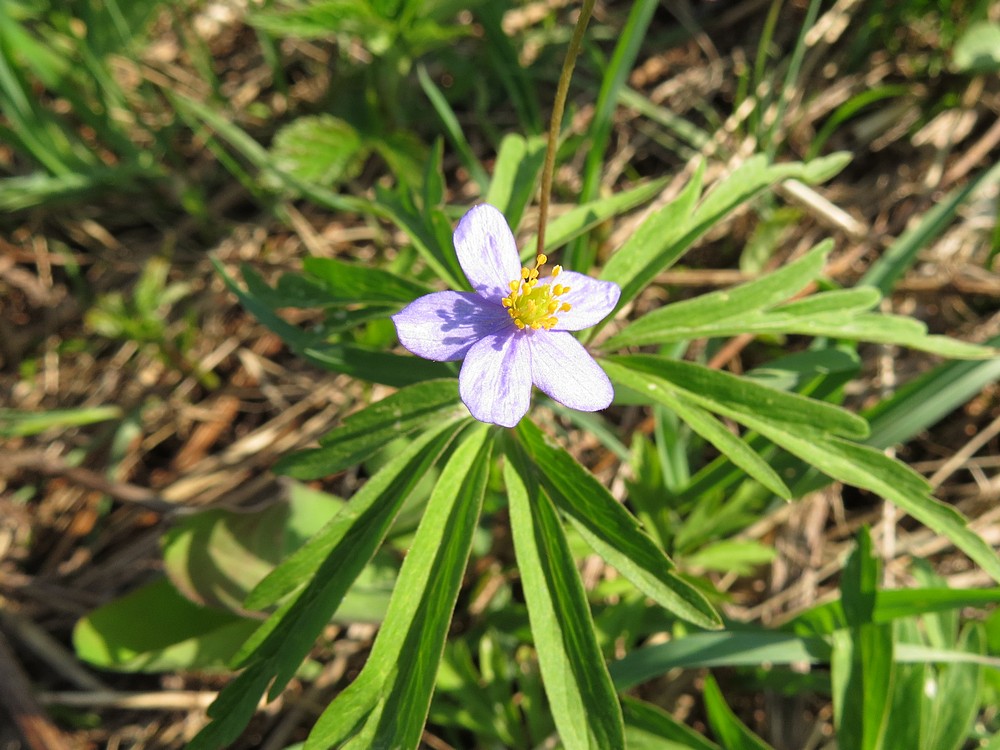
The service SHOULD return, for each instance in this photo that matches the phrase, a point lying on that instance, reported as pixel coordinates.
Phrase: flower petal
(495, 382)
(590, 300)
(487, 252)
(443, 325)
(562, 368)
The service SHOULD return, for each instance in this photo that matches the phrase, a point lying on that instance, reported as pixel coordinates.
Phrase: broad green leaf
(978, 49)
(581, 219)
(702, 422)
(732, 732)
(582, 698)
(363, 433)
(612, 531)
(319, 149)
(216, 556)
(364, 520)
(653, 247)
(352, 283)
(515, 176)
(648, 727)
(839, 301)
(16, 423)
(730, 395)
(156, 629)
(387, 704)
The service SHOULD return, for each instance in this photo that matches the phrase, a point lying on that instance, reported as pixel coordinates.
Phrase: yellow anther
(565, 307)
(533, 306)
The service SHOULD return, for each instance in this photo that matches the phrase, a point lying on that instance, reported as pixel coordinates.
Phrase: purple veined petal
(590, 300)
(443, 325)
(495, 382)
(564, 370)
(487, 252)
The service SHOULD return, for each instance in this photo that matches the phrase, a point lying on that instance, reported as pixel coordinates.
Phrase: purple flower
(514, 329)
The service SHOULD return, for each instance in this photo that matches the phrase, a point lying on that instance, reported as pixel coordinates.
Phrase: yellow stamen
(532, 305)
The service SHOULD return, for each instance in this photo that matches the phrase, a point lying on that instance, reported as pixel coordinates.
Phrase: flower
(514, 329)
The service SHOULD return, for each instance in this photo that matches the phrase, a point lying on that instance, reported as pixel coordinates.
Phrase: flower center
(533, 306)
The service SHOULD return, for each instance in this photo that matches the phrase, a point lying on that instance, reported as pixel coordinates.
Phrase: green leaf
(323, 569)
(653, 247)
(728, 649)
(978, 49)
(902, 254)
(454, 130)
(15, 423)
(386, 706)
(732, 732)
(363, 433)
(581, 219)
(730, 395)
(861, 665)
(612, 531)
(872, 470)
(361, 525)
(156, 629)
(216, 556)
(352, 283)
(648, 727)
(925, 400)
(583, 700)
(955, 696)
(702, 422)
(319, 149)
(376, 366)
(687, 319)
(515, 176)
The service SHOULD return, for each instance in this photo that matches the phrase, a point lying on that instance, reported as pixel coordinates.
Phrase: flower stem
(562, 90)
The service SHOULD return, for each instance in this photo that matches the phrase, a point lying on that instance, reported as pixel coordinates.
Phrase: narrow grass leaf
(902, 254)
(387, 705)
(454, 130)
(727, 649)
(612, 531)
(17, 423)
(732, 732)
(649, 727)
(583, 700)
